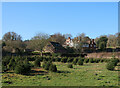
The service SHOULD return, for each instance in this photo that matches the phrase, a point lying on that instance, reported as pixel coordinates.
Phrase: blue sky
(28, 18)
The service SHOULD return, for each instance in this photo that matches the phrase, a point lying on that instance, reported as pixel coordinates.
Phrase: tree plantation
(59, 60)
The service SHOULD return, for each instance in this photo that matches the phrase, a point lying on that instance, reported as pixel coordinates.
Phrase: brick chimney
(69, 38)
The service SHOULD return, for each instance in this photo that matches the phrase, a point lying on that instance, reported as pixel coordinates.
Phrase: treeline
(13, 43)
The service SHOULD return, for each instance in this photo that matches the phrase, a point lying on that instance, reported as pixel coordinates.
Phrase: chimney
(69, 38)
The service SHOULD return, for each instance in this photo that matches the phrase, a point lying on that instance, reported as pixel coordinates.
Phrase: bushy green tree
(91, 60)
(64, 59)
(80, 62)
(70, 66)
(75, 61)
(37, 63)
(86, 60)
(102, 42)
(69, 60)
(53, 68)
(22, 68)
(110, 66)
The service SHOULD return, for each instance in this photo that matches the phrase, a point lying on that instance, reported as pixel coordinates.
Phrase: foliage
(112, 41)
(12, 64)
(110, 66)
(57, 59)
(115, 61)
(47, 65)
(70, 66)
(91, 60)
(4, 68)
(102, 46)
(37, 63)
(44, 63)
(56, 54)
(6, 60)
(102, 60)
(86, 60)
(53, 68)
(11, 36)
(69, 59)
(64, 59)
(118, 39)
(57, 37)
(102, 42)
(80, 62)
(22, 68)
(75, 61)
(38, 41)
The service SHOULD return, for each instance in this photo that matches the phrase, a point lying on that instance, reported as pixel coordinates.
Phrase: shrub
(44, 63)
(57, 59)
(47, 65)
(80, 62)
(107, 60)
(110, 66)
(53, 59)
(97, 60)
(37, 63)
(75, 61)
(115, 61)
(4, 68)
(26, 61)
(41, 58)
(56, 54)
(86, 60)
(53, 68)
(91, 60)
(64, 59)
(69, 60)
(101, 60)
(19, 69)
(22, 69)
(70, 66)
(12, 64)
(5, 60)
(31, 58)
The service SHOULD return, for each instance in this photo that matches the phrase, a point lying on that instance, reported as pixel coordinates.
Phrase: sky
(29, 18)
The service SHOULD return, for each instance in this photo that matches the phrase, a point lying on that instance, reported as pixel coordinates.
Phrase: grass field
(90, 74)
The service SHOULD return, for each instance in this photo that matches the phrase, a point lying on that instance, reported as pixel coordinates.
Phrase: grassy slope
(91, 74)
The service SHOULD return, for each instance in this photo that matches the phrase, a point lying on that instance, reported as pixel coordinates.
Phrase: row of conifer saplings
(21, 65)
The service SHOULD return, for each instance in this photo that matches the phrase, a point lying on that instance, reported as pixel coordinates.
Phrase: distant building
(91, 45)
(54, 47)
(68, 42)
(28, 50)
(88, 45)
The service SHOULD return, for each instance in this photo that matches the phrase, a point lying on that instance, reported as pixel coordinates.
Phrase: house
(68, 42)
(28, 50)
(54, 47)
(88, 45)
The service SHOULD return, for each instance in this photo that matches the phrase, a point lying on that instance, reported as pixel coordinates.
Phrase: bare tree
(57, 37)
(112, 41)
(67, 35)
(38, 41)
(11, 36)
